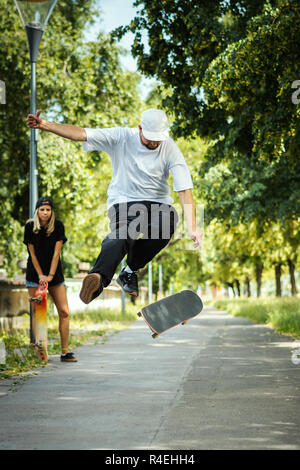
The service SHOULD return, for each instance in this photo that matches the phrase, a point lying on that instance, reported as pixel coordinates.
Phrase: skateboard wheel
(139, 314)
(184, 322)
(155, 335)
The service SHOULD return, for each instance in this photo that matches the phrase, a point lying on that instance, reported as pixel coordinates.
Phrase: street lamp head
(35, 13)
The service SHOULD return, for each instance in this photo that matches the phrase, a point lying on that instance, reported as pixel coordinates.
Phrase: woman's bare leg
(59, 296)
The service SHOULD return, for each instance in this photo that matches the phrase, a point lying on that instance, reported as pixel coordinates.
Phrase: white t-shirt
(139, 174)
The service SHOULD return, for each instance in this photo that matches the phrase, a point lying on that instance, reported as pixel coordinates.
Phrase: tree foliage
(219, 57)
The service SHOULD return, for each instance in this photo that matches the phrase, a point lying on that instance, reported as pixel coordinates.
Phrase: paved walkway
(218, 382)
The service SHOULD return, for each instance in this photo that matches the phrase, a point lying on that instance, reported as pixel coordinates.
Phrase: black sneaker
(128, 282)
(92, 286)
(69, 357)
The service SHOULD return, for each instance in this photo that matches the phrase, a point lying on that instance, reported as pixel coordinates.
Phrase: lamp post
(160, 280)
(150, 282)
(35, 15)
(123, 307)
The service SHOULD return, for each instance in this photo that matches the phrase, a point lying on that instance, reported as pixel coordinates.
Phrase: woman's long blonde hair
(37, 225)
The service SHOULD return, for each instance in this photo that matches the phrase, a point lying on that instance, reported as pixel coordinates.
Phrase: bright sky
(116, 13)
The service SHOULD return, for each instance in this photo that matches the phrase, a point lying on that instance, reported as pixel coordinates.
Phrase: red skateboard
(40, 322)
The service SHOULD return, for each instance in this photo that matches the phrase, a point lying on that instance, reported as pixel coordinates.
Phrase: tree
(224, 60)
(241, 189)
(250, 81)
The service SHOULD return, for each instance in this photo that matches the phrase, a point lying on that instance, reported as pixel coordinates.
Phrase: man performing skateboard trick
(142, 219)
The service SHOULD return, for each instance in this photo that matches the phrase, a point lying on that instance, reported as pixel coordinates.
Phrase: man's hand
(196, 236)
(187, 203)
(68, 131)
(34, 121)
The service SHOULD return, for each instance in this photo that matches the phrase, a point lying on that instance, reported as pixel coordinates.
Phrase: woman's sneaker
(68, 357)
(92, 286)
(128, 282)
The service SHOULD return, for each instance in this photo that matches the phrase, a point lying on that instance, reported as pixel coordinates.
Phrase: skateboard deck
(41, 328)
(171, 311)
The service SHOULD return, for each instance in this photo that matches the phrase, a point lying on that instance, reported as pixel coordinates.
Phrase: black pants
(138, 229)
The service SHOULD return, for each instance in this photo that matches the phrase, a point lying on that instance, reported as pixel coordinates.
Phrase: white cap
(154, 124)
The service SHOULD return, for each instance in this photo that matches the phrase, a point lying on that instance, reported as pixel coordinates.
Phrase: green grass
(280, 313)
(20, 357)
(90, 326)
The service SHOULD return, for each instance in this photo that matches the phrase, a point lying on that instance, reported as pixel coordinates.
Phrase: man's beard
(150, 147)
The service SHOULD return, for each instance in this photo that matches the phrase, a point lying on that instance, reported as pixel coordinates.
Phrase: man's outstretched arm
(68, 131)
(187, 203)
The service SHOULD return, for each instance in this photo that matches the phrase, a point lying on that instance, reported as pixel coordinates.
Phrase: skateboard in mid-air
(40, 322)
(171, 311)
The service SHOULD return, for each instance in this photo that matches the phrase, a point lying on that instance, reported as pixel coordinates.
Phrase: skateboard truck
(38, 299)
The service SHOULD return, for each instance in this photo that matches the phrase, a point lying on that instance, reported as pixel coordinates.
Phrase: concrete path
(218, 382)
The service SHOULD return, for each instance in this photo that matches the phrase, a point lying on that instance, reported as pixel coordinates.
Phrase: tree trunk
(230, 284)
(238, 286)
(278, 279)
(258, 272)
(247, 286)
(292, 277)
